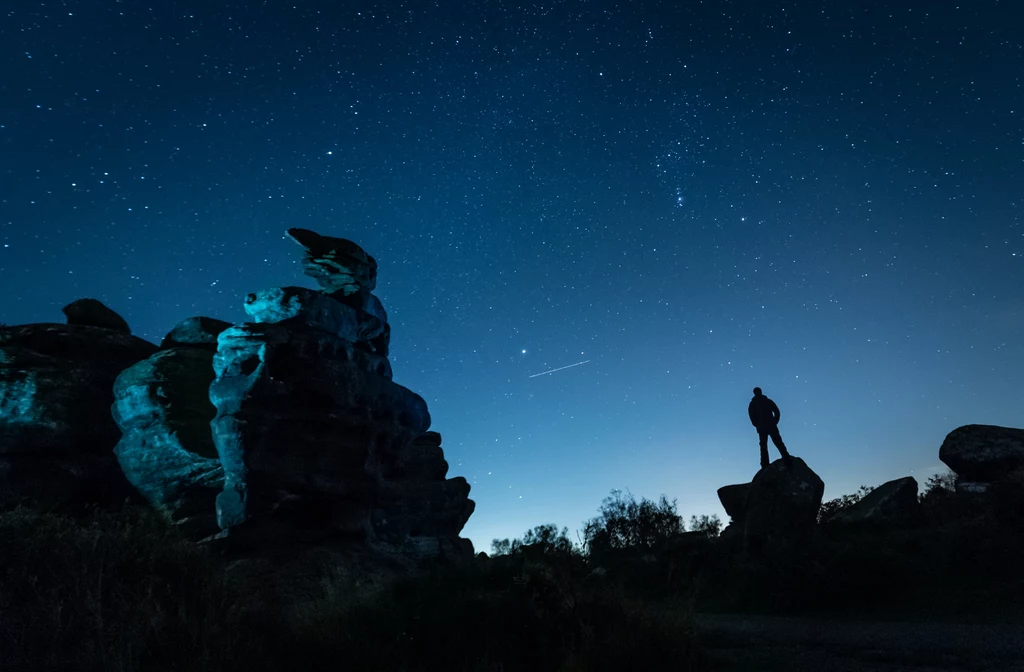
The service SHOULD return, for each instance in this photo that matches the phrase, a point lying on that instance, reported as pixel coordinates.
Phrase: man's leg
(762, 438)
(777, 440)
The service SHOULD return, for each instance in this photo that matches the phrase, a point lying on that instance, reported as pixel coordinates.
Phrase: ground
(798, 644)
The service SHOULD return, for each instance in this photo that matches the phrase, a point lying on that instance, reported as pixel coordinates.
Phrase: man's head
(757, 391)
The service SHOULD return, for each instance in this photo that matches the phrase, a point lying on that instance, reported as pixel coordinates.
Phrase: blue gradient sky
(823, 199)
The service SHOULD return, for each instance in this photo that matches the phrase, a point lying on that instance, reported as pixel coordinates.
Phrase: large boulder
(56, 387)
(782, 504)
(983, 453)
(892, 503)
(195, 332)
(56, 431)
(166, 451)
(92, 313)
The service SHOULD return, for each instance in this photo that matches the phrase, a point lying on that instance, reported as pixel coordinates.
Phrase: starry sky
(693, 198)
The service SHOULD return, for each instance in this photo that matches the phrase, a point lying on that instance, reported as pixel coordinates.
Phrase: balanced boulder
(983, 453)
(337, 264)
(92, 313)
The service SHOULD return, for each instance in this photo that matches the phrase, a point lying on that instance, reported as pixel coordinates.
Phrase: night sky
(821, 198)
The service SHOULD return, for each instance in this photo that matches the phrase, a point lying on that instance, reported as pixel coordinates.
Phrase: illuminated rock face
(288, 427)
(166, 449)
(313, 434)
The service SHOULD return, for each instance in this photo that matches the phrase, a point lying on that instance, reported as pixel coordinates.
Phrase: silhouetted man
(765, 415)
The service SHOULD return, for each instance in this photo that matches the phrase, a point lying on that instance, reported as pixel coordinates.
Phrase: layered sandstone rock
(312, 432)
(56, 388)
(166, 450)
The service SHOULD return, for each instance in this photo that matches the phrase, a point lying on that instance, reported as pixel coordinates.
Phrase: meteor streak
(561, 368)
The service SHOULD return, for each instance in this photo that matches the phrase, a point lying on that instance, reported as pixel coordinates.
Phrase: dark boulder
(92, 313)
(413, 508)
(892, 503)
(56, 431)
(782, 504)
(196, 332)
(337, 264)
(983, 453)
(420, 459)
(734, 499)
(166, 451)
(56, 387)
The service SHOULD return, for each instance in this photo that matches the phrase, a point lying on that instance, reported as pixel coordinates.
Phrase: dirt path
(773, 643)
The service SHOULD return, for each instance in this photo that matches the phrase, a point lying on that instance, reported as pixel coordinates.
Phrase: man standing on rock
(765, 415)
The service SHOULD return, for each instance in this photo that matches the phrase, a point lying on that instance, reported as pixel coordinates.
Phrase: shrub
(543, 538)
(507, 613)
(940, 483)
(113, 592)
(121, 591)
(625, 523)
(711, 526)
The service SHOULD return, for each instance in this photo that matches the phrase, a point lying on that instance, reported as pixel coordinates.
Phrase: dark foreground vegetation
(121, 591)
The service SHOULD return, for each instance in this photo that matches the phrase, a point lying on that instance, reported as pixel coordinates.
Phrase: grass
(120, 591)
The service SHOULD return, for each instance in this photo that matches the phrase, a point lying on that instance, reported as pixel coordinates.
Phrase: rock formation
(163, 408)
(983, 454)
(285, 428)
(338, 265)
(199, 332)
(56, 388)
(313, 435)
(92, 313)
(734, 499)
(780, 506)
(891, 504)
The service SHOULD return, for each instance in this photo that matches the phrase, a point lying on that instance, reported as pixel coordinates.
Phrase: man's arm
(776, 413)
(750, 412)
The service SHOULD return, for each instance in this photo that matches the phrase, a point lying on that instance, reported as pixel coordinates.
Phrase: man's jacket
(763, 412)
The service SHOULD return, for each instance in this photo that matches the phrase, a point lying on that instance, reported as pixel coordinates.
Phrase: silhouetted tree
(625, 523)
(940, 483)
(545, 538)
(711, 526)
